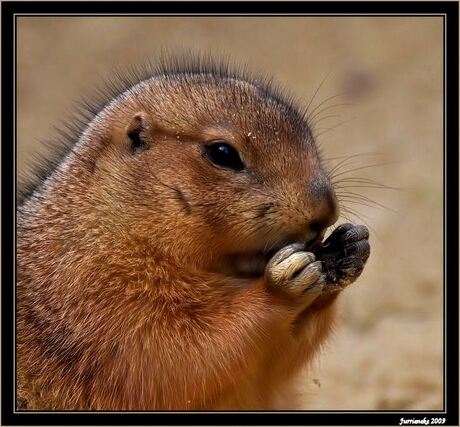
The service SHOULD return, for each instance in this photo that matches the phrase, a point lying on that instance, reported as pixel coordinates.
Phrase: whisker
(352, 210)
(364, 153)
(360, 196)
(358, 180)
(316, 92)
(367, 202)
(345, 217)
(341, 164)
(360, 168)
(324, 101)
(329, 107)
(330, 116)
(325, 130)
(359, 216)
(375, 187)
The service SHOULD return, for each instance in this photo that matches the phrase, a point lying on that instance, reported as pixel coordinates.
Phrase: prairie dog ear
(138, 133)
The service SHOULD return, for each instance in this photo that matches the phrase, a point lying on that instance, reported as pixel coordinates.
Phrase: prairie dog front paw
(295, 273)
(344, 254)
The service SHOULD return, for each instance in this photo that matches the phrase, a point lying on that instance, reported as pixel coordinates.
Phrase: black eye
(223, 155)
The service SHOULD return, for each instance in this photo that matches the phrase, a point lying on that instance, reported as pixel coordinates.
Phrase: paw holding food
(327, 266)
(343, 255)
(296, 273)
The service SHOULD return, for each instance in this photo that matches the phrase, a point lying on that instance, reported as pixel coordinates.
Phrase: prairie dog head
(208, 166)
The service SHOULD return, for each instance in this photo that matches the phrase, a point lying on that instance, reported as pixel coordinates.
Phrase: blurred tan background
(388, 351)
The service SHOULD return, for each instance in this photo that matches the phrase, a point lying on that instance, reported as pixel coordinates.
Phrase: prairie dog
(174, 258)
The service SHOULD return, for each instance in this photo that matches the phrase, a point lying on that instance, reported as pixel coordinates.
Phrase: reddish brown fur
(122, 303)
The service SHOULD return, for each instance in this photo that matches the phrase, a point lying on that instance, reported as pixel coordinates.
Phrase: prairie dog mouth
(309, 245)
(253, 264)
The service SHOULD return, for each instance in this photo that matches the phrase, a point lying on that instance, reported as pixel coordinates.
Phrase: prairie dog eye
(223, 155)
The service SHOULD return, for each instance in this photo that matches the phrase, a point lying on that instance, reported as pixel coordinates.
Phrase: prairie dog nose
(324, 209)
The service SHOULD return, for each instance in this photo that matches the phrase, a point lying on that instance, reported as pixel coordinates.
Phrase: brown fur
(122, 299)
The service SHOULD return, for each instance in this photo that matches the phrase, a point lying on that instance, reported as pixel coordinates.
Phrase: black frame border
(448, 9)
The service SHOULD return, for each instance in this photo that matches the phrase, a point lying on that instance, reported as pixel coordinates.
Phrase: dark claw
(338, 232)
(350, 263)
(360, 249)
(358, 232)
(350, 268)
(345, 263)
(335, 241)
(343, 228)
(344, 253)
